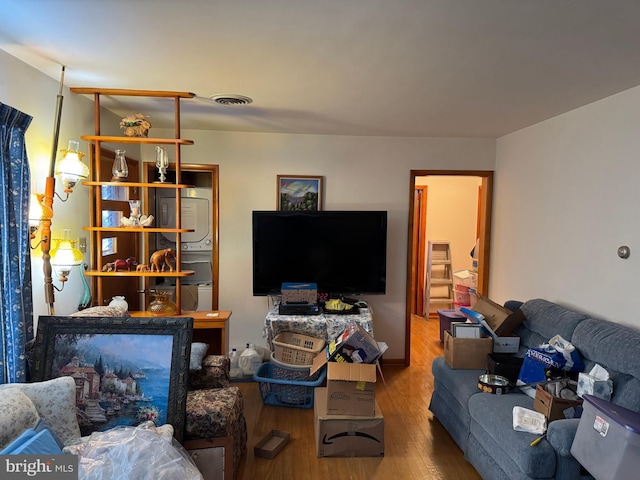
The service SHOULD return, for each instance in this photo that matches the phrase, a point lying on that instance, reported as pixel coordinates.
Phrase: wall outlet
(82, 244)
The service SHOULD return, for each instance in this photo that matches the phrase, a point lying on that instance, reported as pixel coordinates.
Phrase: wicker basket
(284, 371)
(296, 349)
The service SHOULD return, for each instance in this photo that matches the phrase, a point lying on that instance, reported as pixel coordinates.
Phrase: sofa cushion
(17, 414)
(55, 401)
(493, 414)
(545, 320)
(616, 348)
(460, 383)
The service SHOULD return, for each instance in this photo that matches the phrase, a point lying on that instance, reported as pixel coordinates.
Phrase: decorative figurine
(161, 259)
(120, 265)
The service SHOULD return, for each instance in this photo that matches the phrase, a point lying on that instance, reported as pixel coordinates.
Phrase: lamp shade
(35, 210)
(64, 257)
(71, 169)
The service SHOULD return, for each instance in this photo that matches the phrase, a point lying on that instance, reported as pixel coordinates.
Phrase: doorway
(418, 228)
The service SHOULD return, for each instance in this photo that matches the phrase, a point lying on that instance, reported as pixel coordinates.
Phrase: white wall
(360, 173)
(34, 93)
(368, 173)
(566, 197)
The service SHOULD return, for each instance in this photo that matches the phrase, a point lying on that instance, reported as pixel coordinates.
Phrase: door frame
(485, 208)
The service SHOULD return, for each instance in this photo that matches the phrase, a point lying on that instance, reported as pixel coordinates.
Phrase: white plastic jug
(234, 370)
(249, 360)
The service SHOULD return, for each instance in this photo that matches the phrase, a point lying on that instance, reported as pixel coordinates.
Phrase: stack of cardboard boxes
(347, 419)
(498, 322)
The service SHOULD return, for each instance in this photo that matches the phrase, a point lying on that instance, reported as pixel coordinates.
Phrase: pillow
(198, 352)
(55, 401)
(17, 414)
(102, 311)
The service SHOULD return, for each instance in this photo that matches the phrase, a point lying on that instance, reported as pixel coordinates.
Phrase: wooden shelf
(132, 239)
(133, 273)
(122, 92)
(138, 229)
(172, 186)
(145, 140)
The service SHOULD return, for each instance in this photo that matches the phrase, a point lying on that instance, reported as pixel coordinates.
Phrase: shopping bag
(558, 355)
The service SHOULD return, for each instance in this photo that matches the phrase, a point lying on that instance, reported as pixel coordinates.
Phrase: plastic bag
(134, 453)
(525, 420)
(558, 354)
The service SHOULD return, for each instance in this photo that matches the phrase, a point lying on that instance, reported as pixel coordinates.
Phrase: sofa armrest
(560, 435)
(214, 373)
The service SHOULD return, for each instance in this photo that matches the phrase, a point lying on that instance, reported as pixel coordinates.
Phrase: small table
(210, 327)
(319, 326)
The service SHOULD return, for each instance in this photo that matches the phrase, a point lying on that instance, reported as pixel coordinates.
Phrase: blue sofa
(481, 424)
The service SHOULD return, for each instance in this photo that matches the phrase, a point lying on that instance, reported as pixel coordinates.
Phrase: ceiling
(445, 68)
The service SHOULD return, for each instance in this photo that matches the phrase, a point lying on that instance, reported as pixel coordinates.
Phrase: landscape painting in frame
(127, 370)
(299, 193)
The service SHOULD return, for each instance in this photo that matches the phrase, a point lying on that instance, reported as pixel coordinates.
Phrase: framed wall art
(299, 193)
(127, 370)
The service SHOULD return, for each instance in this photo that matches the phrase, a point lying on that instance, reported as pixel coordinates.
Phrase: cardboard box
(506, 344)
(354, 345)
(552, 407)
(346, 435)
(271, 444)
(299, 292)
(501, 320)
(498, 322)
(351, 389)
(470, 353)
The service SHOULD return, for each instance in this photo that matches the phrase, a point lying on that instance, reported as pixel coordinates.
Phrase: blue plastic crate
(286, 393)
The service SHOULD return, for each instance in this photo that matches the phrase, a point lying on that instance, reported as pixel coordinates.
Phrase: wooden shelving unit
(140, 235)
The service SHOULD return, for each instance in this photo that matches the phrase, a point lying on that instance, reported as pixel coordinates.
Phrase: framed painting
(299, 193)
(127, 370)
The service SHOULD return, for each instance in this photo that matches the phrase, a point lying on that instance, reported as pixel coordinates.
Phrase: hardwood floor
(416, 445)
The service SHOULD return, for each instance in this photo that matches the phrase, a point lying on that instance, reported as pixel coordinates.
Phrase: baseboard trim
(393, 361)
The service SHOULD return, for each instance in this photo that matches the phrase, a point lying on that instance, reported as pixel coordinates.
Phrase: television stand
(323, 325)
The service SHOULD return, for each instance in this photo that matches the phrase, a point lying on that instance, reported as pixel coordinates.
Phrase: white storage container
(607, 442)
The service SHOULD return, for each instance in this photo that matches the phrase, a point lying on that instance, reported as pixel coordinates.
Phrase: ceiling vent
(231, 99)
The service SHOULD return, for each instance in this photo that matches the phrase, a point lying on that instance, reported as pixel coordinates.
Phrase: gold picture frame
(299, 193)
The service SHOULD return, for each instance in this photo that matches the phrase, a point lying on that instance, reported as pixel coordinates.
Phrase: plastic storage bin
(286, 393)
(296, 349)
(461, 295)
(607, 442)
(446, 318)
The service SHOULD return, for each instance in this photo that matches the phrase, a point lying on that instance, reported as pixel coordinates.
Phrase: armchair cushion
(214, 373)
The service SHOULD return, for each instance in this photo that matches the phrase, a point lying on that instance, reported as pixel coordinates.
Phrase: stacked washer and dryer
(196, 207)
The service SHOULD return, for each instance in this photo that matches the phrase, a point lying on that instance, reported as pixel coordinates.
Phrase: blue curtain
(16, 303)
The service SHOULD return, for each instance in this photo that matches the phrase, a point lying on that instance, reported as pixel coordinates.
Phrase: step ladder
(439, 278)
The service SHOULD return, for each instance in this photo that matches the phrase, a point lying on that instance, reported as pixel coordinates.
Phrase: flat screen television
(343, 252)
